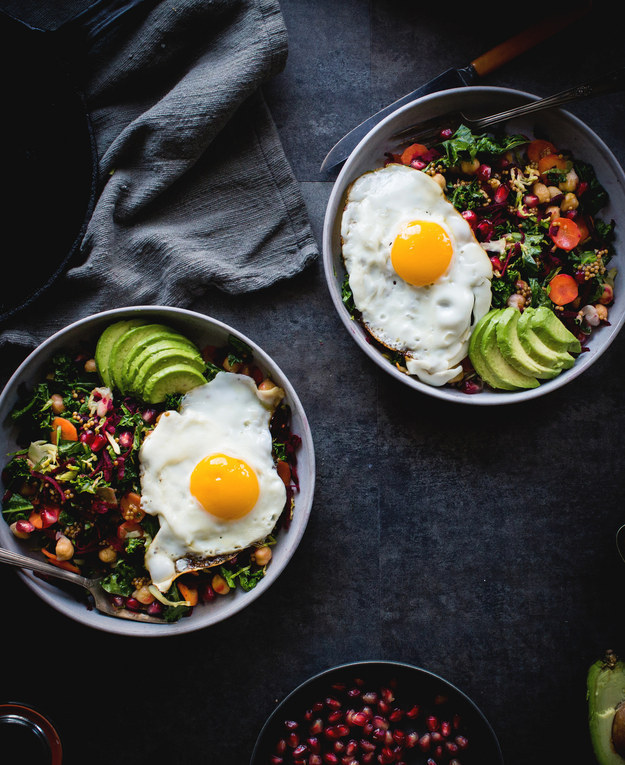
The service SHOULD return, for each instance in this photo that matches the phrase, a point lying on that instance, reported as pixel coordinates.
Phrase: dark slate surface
(477, 544)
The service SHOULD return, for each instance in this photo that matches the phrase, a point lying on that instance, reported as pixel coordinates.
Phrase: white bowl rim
(77, 611)
(443, 393)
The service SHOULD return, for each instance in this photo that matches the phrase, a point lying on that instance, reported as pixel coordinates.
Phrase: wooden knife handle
(528, 38)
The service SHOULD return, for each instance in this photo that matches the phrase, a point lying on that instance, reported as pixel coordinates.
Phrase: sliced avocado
(552, 331)
(514, 353)
(537, 349)
(155, 362)
(178, 378)
(505, 375)
(105, 343)
(125, 344)
(475, 346)
(153, 344)
(606, 709)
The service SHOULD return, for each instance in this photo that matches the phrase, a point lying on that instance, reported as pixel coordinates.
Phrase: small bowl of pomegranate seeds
(517, 192)
(377, 712)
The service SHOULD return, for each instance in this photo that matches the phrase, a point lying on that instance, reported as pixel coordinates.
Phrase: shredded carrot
(60, 563)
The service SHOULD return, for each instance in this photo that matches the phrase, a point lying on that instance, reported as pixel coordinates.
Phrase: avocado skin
(605, 685)
(105, 343)
(512, 350)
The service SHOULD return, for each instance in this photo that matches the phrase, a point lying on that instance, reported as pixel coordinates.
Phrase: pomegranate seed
(132, 604)
(366, 758)
(425, 742)
(456, 721)
(317, 706)
(118, 601)
(437, 737)
(470, 216)
(430, 761)
(291, 724)
(330, 758)
(484, 172)
(336, 731)
(300, 750)
(438, 751)
(396, 715)
(379, 734)
(582, 187)
(354, 693)
(446, 728)
(49, 516)
(339, 746)
(496, 263)
(333, 703)
(335, 716)
(207, 593)
(368, 728)
(412, 739)
(148, 416)
(366, 745)
(388, 738)
(418, 163)
(413, 712)
(380, 722)
(454, 762)
(501, 195)
(87, 437)
(351, 747)
(308, 714)
(386, 756)
(281, 746)
(462, 742)
(531, 200)
(446, 133)
(370, 697)
(98, 443)
(398, 736)
(484, 230)
(275, 760)
(314, 745)
(359, 719)
(451, 747)
(432, 723)
(471, 386)
(383, 707)
(292, 740)
(316, 726)
(315, 759)
(338, 686)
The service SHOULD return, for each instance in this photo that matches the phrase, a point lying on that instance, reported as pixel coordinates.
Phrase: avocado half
(606, 709)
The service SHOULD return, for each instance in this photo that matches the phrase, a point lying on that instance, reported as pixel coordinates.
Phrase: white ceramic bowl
(203, 330)
(565, 130)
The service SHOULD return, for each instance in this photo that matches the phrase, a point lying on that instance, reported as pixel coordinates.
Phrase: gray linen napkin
(196, 189)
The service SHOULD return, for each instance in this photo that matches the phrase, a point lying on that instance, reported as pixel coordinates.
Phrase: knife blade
(458, 77)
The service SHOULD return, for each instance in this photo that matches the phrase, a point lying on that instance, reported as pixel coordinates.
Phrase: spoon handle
(607, 83)
(41, 567)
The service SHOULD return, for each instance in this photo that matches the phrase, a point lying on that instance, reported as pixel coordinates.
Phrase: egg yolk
(225, 486)
(421, 252)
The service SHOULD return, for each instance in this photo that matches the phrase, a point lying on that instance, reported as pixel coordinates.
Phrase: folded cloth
(196, 190)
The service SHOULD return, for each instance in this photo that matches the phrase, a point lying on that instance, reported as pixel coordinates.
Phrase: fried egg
(207, 472)
(419, 278)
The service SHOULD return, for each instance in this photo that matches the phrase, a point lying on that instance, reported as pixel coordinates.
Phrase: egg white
(432, 325)
(224, 416)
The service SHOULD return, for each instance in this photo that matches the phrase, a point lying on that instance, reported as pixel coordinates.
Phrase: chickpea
(517, 301)
(440, 179)
(541, 192)
(602, 312)
(570, 183)
(262, 555)
(90, 366)
(470, 168)
(570, 202)
(553, 211)
(56, 403)
(143, 595)
(107, 555)
(219, 584)
(231, 367)
(64, 549)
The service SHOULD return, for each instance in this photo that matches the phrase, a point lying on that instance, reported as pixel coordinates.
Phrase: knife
(453, 78)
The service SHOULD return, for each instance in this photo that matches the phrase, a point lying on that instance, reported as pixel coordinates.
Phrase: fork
(94, 586)
(428, 131)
